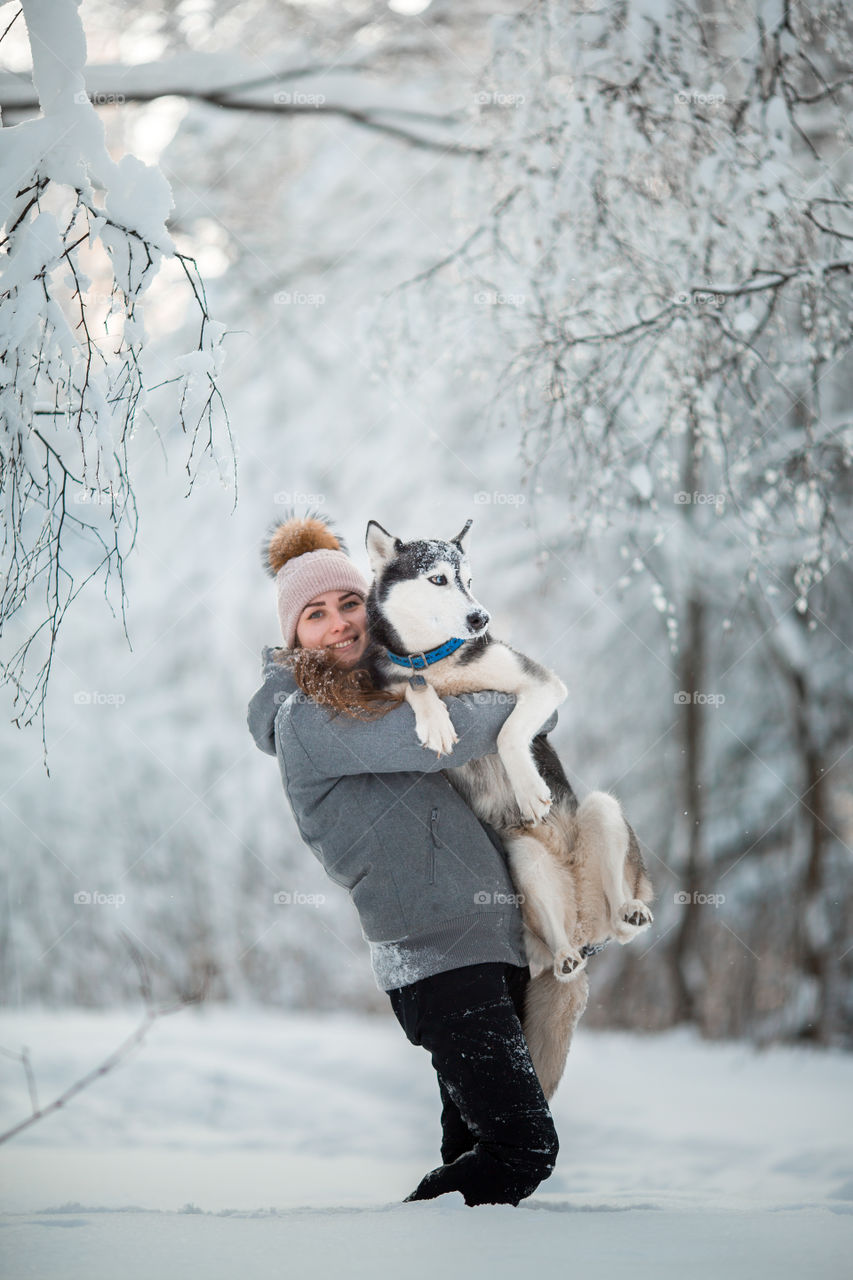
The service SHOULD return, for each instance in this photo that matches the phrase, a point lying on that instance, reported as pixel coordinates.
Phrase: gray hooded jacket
(429, 881)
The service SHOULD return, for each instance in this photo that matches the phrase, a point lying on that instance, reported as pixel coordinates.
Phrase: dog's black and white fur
(577, 867)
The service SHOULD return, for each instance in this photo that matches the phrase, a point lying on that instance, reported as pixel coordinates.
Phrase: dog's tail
(552, 1010)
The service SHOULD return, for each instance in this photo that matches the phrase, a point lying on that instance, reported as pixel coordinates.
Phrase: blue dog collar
(417, 661)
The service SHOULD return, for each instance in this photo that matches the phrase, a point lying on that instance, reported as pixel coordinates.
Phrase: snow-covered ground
(256, 1143)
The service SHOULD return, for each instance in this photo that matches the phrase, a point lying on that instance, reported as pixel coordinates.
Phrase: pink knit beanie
(307, 559)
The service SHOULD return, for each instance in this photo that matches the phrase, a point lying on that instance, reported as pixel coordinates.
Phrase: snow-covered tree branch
(82, 239)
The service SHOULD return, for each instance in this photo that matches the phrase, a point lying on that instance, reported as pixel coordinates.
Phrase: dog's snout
(478, 620)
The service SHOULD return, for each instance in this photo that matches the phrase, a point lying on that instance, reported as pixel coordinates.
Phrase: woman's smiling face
(337, 622)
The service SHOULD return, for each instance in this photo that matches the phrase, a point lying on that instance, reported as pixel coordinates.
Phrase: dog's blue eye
(440, 580)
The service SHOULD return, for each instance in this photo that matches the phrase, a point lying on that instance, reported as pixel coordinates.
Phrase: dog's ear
(459, 540)
(381, 546)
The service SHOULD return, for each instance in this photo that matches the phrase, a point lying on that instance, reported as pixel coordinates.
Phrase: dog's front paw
(568, 963)
(631, 918)
(435, 730)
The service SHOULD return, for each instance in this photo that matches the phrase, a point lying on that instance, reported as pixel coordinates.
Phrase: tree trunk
(813, 947)
(812, 952)
(691, 674)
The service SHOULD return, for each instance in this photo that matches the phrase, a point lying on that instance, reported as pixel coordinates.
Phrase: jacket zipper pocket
(433, 827)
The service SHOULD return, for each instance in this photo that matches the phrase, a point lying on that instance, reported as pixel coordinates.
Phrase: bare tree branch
(152, 1014)
(382, 119)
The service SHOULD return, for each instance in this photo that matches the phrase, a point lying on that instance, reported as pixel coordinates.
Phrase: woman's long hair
(348, 691)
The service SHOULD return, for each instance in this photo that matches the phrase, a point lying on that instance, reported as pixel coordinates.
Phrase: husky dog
(577, 867)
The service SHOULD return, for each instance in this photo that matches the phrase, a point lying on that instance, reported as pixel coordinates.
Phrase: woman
(429, 881)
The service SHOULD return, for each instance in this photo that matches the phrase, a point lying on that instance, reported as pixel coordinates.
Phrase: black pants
(499, 1140)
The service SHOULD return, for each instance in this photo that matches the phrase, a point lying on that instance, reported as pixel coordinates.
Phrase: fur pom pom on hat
(306, 559)
(299, 537)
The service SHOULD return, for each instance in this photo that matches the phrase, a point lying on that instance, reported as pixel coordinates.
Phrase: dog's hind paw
(568, 963)
(534, 804)
(631, 918)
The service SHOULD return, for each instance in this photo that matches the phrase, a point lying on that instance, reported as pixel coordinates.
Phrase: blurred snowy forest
(581, 272)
